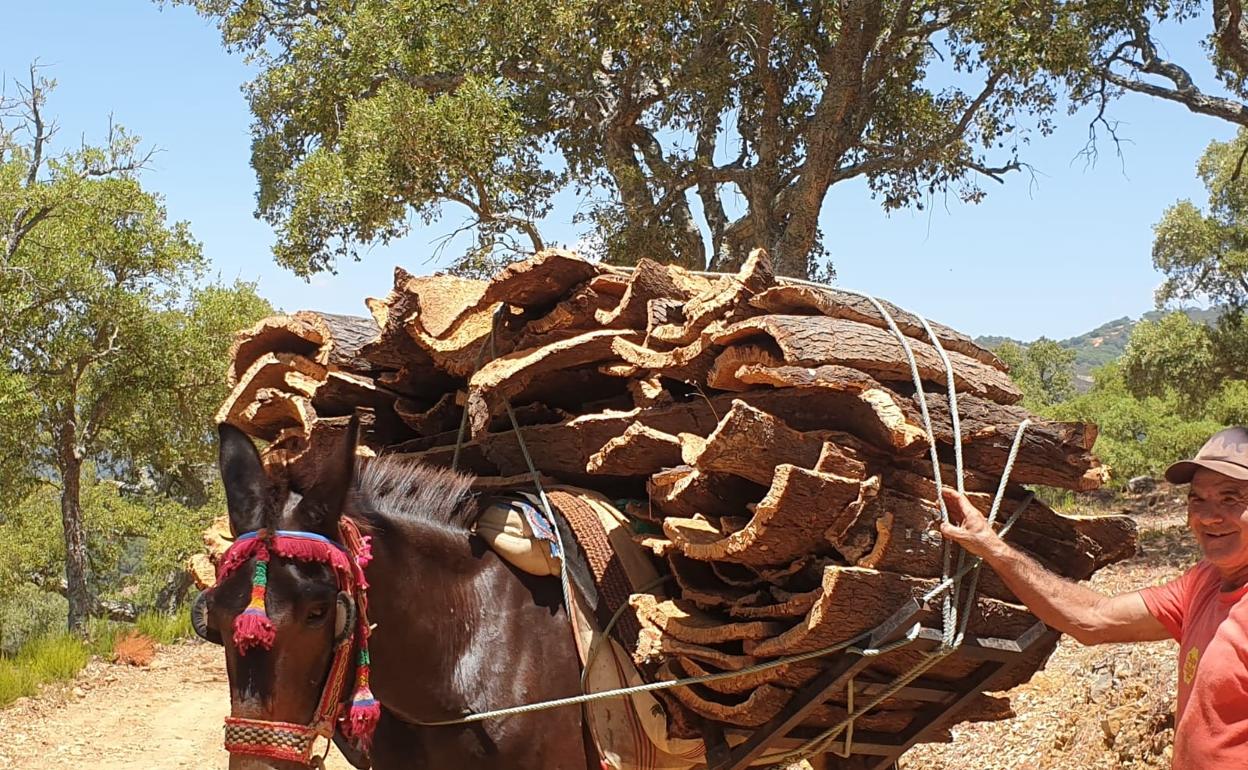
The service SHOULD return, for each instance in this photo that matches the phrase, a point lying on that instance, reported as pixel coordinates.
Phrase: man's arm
(1089, 616)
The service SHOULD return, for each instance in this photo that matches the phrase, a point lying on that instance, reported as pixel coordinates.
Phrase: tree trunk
(77, 592)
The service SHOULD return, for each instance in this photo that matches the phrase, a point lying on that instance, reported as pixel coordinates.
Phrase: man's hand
(967, 526)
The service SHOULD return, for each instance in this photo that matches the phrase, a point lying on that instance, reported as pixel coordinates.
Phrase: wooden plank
(1008, 654)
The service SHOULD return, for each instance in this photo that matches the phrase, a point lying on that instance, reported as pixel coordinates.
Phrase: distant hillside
(1104, 343)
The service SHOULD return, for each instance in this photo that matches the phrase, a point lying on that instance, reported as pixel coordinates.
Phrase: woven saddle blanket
(605, 569)
(632, 732)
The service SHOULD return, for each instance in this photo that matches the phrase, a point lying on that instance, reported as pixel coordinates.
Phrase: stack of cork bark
(766, 436)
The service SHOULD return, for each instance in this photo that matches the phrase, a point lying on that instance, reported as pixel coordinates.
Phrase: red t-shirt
(1212, 629)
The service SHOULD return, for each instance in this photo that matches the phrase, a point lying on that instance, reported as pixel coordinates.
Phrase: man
(1205, 609)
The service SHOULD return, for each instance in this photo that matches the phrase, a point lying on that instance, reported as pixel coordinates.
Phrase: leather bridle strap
(288, 741)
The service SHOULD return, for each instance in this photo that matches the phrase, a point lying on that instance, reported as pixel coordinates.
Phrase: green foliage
(55, 658)
(1138, 435)
(16, 681)
(116, 351)
(27, 612)
(369, 113)
(1204, 255)
(1043, 370)
(48, 658)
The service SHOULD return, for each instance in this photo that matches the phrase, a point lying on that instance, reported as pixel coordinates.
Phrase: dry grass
(1091, 708)
(134, 649)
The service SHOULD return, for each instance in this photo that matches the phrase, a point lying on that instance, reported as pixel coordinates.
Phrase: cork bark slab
(727, 299)
(639, 451)
(1053, 453)
(687, 492)
(856, 600)
(497, 382)
(788, 523)
(442, 416)
(766, 701)
(689, 363)
(808, 300)
(750, 443)
(272, 411)
(574, 313)
(818, 340)
(539, 281)
(681, 620)
(899, 424)
(654, 646)
(268, 371)
(275, 334)
(649, 281)
(1075, 546)
(443, 302)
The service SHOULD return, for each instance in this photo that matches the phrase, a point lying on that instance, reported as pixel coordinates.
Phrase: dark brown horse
(457, 629)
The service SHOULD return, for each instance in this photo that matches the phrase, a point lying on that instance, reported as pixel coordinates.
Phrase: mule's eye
(318, 614)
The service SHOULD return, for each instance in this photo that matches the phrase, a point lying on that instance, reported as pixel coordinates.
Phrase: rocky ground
(1090, 709)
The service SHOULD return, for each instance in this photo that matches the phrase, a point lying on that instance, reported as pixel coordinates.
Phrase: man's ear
(324, 499)
(247, 488)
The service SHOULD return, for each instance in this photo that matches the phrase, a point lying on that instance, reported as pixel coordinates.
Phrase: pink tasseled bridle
(253, 628)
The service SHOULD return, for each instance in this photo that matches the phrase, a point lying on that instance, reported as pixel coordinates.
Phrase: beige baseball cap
(1226, 453)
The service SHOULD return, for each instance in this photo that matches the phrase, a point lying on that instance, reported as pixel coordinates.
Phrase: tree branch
(1184, 90)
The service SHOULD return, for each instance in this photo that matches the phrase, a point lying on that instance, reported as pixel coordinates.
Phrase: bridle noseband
(252, 628)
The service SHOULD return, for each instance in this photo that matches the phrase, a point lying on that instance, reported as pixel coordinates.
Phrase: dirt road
(166, 716)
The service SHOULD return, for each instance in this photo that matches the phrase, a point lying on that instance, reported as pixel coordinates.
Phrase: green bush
(26, 613)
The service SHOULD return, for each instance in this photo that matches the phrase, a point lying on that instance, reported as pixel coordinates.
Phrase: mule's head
(279, 622)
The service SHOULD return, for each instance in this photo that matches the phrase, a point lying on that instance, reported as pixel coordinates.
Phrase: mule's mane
(403, 489)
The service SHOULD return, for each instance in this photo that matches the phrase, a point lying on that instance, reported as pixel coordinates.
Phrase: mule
(456, 630)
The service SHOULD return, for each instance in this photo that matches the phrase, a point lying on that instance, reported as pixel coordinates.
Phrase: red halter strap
(252, 628)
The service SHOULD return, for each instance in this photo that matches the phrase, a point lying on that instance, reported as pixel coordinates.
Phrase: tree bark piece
(687, 364)
(681, 620)
(685, 492)
(639, 451)
(855, 600)
(723, 372)
(899, 424)
(539, 281)
(818, 340)
(790, 522)
(429, 421)
(807, 300)
(1053, 453)
(649, 281)
(751, 443)
(280, 371)
(725, 301)
(499, 381)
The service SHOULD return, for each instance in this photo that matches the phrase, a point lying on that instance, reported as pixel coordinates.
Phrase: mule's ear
(247, 488)
(201, 621)
(326, 496)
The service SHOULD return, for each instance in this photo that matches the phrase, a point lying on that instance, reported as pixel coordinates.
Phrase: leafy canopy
(698, 130)
(1204, 256)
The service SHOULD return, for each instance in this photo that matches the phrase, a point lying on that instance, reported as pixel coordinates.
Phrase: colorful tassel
(362, 717)
(252, 627)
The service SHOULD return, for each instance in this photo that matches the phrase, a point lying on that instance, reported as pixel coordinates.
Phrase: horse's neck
(436, 602)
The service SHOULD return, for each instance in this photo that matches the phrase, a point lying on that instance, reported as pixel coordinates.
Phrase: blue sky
(1055, 255)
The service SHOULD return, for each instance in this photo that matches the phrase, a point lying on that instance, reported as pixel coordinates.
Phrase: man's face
(1217, 512)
